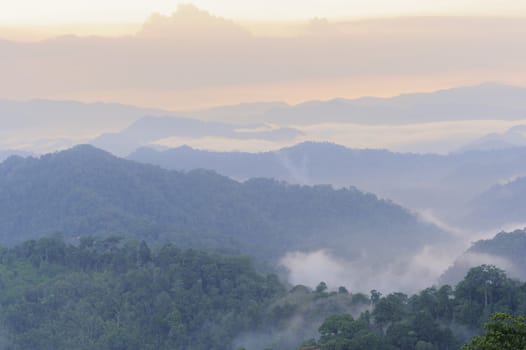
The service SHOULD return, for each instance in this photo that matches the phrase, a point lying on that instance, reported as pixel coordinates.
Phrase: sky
(193, 57)
(56, 12)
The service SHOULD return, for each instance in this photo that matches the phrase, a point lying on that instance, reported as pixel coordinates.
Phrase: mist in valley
(196, 182)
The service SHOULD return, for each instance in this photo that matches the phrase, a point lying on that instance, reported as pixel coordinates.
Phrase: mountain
(150, 129)
(240, 113)
(68, 115)
(86, 191)
(8, 153)
(500, 205)
(488, 101)
(42, 126)
(444, 183)
(56, 125)
(513, 137)
(505, 250)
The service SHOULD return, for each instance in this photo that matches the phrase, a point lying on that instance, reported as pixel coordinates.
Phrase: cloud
(407, 274)
(191, 23)
(439, 137)
(192, 58)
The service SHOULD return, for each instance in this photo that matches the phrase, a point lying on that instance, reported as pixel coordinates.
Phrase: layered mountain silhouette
(505, 250)
(501, 205)
(4, 154)
(488, 101)
(86, 191)
(511, 138)
(444, 183)
(148, 130)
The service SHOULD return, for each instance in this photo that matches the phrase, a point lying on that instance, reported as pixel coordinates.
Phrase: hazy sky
(38, 12)
(196, 58)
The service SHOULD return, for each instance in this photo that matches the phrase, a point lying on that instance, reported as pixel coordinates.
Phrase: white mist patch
(490, 233)
(297, 172)
(311, 268)
(435, 137)
(407, 274)
(427, 215)
(471, 259)
(508, 180)
(224, 144)
(261, 128)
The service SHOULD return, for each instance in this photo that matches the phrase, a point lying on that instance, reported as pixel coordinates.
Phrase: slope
(86, 191)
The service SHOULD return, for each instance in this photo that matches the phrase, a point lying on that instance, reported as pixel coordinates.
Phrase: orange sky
(194, 59)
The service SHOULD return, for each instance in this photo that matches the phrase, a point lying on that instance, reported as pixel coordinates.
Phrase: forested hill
(113, 294)
(108, 294)
(86, 191)
(502, 204)
(505, 250)
(444, 183)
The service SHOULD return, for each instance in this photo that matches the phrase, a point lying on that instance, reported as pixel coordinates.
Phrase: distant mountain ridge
(69, 115)
(150, 129)
(445, 183)
(502, 204)
(513, 137)
(506, 250)
(42, 126)
(4, 154)
(488, 101)
(85, 191)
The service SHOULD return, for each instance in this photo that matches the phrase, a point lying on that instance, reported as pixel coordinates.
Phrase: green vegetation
(109, 293)
(85, 191)
(503, 332)
(435, 319)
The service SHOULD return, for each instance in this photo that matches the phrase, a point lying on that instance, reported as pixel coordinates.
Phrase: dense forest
(506, 250)
(109, 293)
(86, 191)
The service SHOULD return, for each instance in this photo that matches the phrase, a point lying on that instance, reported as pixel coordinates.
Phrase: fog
(175, 60)
(407, 274)
(261, 162)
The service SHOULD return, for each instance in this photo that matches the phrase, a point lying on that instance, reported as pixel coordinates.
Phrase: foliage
(503, 332)
(110, 294)
(85, 191)
(436, 318)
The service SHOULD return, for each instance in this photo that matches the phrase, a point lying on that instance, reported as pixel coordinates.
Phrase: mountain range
(502, 204)
(86, 191)
(505, 250)
(149, 130)
(488, 101)
(41, 126)
(446, 184)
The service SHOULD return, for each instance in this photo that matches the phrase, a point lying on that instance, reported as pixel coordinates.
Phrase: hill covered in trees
(443, 183)
(442, 318)
(505, 250)
(502, 204)
(108, 293)
(86, 191)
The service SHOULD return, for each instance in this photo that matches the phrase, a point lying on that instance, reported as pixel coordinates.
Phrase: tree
(321, 287)
(503, 332)
(390, 309)
(480, 294)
